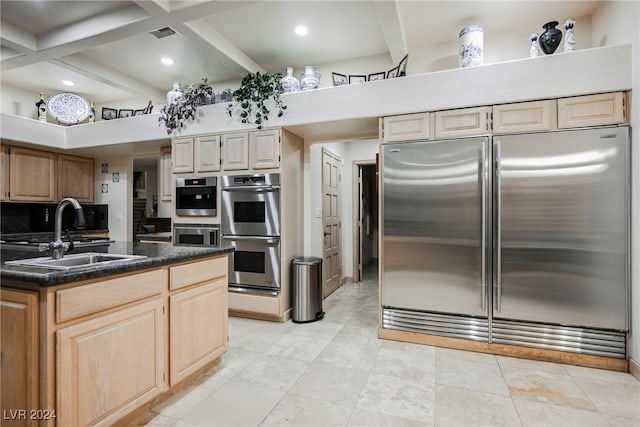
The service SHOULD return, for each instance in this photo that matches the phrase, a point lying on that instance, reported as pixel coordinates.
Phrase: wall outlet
(319, 213)
(119, 215)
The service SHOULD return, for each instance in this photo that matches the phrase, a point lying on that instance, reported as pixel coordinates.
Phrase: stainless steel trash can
(306, 279)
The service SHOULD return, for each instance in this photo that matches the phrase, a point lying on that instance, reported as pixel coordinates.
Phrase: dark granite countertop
(157, 254)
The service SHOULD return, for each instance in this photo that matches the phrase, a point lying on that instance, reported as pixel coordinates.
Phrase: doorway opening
(144, 203)
(365, 221)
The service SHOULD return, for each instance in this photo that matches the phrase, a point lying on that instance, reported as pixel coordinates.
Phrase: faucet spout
(57, 247)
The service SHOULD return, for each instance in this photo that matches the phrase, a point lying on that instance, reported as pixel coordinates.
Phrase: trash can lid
(307, 260)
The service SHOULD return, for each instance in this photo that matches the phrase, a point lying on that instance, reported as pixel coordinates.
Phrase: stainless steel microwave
(197, 196)
(196, 234)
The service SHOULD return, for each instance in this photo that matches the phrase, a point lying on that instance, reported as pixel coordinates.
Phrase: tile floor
(337, 372)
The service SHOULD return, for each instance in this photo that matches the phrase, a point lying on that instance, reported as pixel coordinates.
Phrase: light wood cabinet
(110, 365)
(166, 177)
(207, 153)
(592, 110)
(4, 173)
(235, 151)
(182, 155)
(264, 149)
(463, 122)
(407, 127)
(19, 354)
(198, 327)
(75, 177)
(534, 116)
(200, 154)
(32, 175)
(111, 345)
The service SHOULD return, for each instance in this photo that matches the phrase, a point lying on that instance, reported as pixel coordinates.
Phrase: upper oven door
(251, 211)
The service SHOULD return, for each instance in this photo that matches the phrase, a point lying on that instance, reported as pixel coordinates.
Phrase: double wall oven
(251, 224)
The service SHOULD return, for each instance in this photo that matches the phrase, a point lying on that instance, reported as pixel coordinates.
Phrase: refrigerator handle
(483, 217)
(498, 226)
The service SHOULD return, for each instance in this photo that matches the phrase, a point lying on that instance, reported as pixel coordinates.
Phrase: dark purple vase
(550, 39)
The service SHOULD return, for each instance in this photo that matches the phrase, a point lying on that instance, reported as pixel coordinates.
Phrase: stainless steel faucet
(56, 247)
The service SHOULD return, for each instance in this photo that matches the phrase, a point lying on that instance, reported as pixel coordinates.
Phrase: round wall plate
(68, 108)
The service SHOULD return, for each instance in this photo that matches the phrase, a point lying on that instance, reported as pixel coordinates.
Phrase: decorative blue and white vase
(289, 83)
(533, 50)
(471, 49)
(310, 78)
(92, 113)
(41, 105)
(175, 95)
(569, 37)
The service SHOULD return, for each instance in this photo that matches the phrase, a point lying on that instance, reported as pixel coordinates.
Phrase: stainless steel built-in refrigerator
(516, 239)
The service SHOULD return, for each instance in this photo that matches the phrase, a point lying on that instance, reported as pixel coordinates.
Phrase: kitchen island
(95, 344)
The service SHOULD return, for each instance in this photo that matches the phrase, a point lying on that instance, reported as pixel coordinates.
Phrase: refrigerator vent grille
(549, 337)
(465, 327)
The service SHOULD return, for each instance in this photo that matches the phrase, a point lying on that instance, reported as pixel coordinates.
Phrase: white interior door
(331, 224)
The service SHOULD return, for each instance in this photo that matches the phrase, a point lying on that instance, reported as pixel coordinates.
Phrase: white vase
(310, 78)
(470, 52)
(289, 83)
(175, 94)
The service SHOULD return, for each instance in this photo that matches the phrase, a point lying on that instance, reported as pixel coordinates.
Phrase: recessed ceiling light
(68, 83)
(167, 61)
(302, 30)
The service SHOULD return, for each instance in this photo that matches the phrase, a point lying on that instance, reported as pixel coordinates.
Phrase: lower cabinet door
(198, 328)
(110, 365)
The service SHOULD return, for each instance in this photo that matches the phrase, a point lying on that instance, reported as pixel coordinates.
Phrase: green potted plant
(251, 99)
(175, 114)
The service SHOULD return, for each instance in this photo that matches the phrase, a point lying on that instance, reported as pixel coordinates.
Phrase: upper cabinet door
(32, 175)
(235, 151)
(182, 155)
(4, 173)
(265, 149)
(75, 177)
(535, 116)
(463, 122)
(592, 110)
(207, 153)
(407, 127)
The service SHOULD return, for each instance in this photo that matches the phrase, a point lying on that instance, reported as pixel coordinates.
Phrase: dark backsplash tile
(40, 217)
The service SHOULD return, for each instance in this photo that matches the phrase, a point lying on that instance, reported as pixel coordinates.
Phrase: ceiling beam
(391, 25)
(222, 49)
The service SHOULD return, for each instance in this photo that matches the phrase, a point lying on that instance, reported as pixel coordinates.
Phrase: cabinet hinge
(163, 309)
(164, 376)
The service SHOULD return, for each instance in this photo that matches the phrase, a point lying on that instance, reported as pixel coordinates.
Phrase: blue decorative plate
(68, 108)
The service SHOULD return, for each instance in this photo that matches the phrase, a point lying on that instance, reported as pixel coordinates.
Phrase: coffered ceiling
(106, 47)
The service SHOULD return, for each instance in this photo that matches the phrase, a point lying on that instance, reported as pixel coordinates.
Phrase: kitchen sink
(76, 260)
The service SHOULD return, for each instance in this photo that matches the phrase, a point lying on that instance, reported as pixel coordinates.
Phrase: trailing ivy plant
(252, 96)
(176, 114)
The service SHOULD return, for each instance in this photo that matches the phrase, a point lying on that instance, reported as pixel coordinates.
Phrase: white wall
(349, 151)
(615, 23)
(116, 197)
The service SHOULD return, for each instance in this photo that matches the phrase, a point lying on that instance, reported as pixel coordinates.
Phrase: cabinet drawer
(463, 122)
(525, 117)
(196, 272)
(407, 127)
(254, 303)
(592, 110)
(83, 300)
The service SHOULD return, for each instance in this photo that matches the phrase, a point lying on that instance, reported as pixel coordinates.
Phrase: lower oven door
(255, 263)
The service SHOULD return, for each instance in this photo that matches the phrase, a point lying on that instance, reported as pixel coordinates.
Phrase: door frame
(356, 197)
